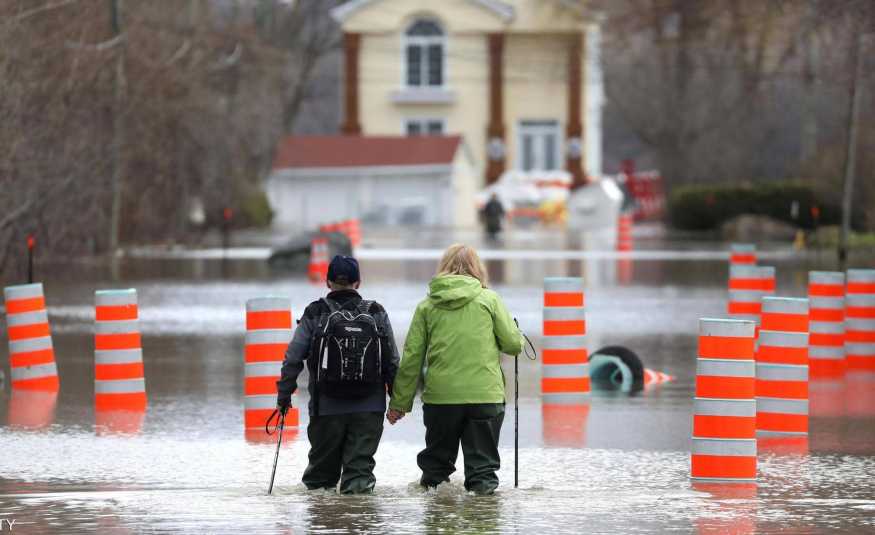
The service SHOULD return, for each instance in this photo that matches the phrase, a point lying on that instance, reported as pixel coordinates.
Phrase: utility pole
(118, 127)
(856, 97)
(811, 58)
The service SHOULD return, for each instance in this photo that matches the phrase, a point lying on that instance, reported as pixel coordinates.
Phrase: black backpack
(347, 351)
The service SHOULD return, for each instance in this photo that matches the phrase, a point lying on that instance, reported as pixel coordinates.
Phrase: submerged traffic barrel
(119, 382)
(625, 222)
(782, 366)
(31, 353)
(268, 333)
(317, 271)
(747, 286)
(724, 414)
(860, 320)
(564, 372)
(742, 253)
(826, 338)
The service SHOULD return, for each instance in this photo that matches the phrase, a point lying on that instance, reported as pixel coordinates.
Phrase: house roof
(501, 9)
(295, 152)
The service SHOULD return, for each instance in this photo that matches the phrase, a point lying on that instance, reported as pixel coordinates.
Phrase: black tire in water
(629, 358)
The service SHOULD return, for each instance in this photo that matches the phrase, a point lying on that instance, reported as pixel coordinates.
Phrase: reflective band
(781, 372)
(115, 297)
(785, 305)
(826, 352)
(746, 296)
(783, 339)
(563, 285)
(563, 342)
(832, 278)
(563, 299)
(29, 345)
(269, 336)
(826, 327)
(726, 328)
(782, 406)
(861, 276)
(34, 372)
(564, 313)
(860, 349)
(23, 291)
(565, 398)
(565, 370)
(859, 325)
(724, 407)
(777, 422)
(120, 387)
(743, 248)
(743, 272)
(725, 368)
(263, 304)
(27, 318)
(116, 313)
(263, 369)
(116, 327)
(826, 303)
(118, 356)
(743, 447)
(259, 402)
(860, 301)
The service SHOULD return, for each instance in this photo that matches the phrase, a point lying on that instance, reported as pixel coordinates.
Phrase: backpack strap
(364, 306)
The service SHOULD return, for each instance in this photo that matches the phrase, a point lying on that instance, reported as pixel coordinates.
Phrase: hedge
(708, 207)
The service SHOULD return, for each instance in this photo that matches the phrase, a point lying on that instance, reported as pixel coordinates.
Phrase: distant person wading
(459, 332)
(493, 213)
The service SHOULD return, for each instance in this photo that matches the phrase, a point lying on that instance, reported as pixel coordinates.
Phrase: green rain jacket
(460, 331)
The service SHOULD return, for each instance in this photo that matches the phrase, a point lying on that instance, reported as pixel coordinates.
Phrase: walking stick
(279, 441)
(516, 421)
(531, 355)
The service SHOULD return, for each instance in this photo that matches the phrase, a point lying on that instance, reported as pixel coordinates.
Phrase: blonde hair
(461, 259)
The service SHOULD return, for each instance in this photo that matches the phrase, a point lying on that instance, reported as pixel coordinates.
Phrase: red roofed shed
(420, 180)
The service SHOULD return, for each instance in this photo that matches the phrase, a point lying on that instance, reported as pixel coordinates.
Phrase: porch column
(495, 143)
(574, 130)
(351, 125)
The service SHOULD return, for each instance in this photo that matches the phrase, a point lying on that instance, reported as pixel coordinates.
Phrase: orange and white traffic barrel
(861, 281)
(268, 333)
(565, 368)
(624, 231)
(860, 332)
(724, 413)
(119, 382)
(747, 286)
(742, 254)
(31, 354)
(318, 268)
(782, 367)
(826, 339)
(353, 231)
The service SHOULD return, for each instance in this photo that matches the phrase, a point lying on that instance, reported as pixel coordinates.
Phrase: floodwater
(617, 465)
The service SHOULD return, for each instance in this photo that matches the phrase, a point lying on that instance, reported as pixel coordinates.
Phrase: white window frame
(525, 126)
(423, 121)
(424, 42)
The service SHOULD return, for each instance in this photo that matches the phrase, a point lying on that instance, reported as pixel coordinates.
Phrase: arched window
(424, 54)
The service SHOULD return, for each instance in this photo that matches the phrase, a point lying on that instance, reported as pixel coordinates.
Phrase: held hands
(283, 406)
(393, 415)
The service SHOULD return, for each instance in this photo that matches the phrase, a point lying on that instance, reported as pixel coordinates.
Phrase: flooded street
(620, 464)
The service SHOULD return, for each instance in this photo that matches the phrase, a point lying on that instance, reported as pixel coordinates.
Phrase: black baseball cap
(343, 270)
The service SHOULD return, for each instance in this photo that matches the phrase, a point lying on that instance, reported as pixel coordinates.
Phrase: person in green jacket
(459, 332)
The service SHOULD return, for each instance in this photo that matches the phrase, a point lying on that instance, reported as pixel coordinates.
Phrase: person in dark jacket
(343, 433)
(493, 213)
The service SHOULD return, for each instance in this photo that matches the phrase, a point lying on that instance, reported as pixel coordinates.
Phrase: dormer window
(424, 54)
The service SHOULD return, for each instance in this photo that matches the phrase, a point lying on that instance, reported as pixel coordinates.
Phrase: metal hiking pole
(516, 421)
(279, 441)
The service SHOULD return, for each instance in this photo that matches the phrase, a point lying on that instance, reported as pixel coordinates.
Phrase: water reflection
(730, 508)
(119, 422)
(32, 409)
